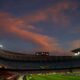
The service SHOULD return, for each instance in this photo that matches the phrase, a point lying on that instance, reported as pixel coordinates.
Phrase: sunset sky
(49, 25)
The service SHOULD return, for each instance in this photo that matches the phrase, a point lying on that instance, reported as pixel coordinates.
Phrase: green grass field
(50, 77)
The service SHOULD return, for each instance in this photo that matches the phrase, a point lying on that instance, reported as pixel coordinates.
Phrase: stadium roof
(29, 57)
(76, 50)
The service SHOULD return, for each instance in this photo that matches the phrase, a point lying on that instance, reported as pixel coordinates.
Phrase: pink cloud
(55, 14)
(76, 30)
(23, 27)
(14, 25)
(58, 14)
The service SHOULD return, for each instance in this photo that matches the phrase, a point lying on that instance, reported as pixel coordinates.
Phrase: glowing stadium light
(76, 54)
(79, 53)
(1, 46)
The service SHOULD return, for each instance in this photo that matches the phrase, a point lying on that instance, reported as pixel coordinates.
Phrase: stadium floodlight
(76, 54)
(1, 46)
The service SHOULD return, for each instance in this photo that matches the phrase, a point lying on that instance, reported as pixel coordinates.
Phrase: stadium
(18, 66)
(39, 39)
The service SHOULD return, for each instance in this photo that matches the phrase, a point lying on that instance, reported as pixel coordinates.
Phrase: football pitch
(50, 77)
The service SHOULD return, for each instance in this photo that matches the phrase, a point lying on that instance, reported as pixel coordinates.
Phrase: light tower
(1, 46)
(76, 52)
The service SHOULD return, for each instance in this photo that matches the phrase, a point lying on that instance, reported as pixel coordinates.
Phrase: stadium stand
(13, 64)
(13, 60)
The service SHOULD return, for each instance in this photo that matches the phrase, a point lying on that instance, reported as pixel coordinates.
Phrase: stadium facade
(37, 61)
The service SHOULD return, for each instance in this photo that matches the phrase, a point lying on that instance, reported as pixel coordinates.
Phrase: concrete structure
(41, 60)
(76, 52)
